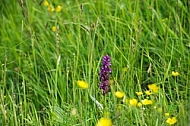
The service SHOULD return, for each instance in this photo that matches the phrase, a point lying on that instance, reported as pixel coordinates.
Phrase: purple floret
(105, 72)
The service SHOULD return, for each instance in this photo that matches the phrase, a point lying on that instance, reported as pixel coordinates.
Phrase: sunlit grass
(51, 57)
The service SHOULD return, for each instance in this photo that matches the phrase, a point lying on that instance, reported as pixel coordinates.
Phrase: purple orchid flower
(105, 72)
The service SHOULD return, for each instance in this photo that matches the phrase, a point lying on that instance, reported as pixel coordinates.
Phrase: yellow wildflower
(139, 104)
(45, 3)
(82, 84)
(51, 8)
(171, 120)
(167, 114)
(133, 102)
(119, 94)
(175, 73)
(148, 92)
(58, 8)
(153, 87)
(53, 28)
(104, 122)
(139, 93)
(146, 102)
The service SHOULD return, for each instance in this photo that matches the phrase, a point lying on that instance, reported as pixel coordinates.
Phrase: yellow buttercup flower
(58, 8)
(146, 102)
(54, 28)
(139, 104)
(171, 120)
(175, 73)
(51, 8)
(45, 3)
(133, 102)
(82, 84)
(119, 94)
(153, 87)
(167, 114)
(139, 93)
(104, 122)
(148, 92)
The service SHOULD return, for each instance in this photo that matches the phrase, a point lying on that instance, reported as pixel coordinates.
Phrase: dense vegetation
(48, 47)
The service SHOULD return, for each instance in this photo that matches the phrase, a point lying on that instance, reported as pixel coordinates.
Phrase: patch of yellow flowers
(51, 7)
(153, 88)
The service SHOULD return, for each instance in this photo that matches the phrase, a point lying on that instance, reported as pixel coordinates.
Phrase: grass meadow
(51, 55)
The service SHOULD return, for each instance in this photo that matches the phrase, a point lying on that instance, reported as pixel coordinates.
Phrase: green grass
(40, 68)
